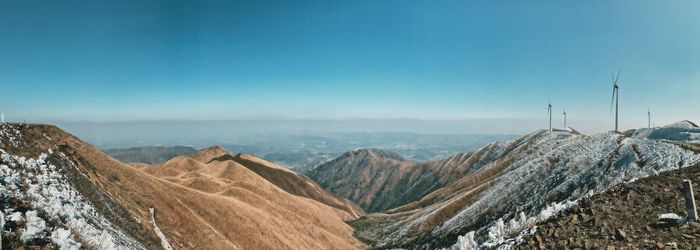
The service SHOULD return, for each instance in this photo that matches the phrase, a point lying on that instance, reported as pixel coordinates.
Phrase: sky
(484, 61)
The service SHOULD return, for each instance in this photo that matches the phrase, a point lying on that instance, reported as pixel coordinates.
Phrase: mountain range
(522, 182)
(58, 191)
(149, 154)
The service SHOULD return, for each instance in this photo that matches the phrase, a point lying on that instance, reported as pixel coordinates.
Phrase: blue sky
(435, 60)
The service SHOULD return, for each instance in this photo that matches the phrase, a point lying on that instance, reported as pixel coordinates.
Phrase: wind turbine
(615, 97)
(564, 118)
(648, 118)
(2, 117)
(549, 112)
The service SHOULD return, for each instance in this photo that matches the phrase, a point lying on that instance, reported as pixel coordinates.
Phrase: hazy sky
(219, 60)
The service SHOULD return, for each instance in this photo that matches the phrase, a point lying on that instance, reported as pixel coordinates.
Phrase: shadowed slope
(281, 177)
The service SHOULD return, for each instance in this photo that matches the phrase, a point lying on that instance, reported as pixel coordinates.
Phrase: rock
(587, 244)
(573, 243)
(659, 245)
(620, 235)
(688, 236)
(694, 224)
(540, 244)
(562, 244)
(574, 219)
(610, 248)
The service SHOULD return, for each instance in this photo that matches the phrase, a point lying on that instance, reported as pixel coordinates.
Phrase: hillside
(58, 191)
(190, 170)
(535, 175)
(373, 179)
(626, 216)
(380, 180)
(83, 197)
(295, 183)
(149, 155)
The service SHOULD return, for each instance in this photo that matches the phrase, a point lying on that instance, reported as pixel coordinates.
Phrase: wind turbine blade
(618, 76)
(612, 77)
(612, 101)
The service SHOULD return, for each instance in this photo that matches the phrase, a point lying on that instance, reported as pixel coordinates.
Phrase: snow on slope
(538, 175)
(679, 131)
(566, 168)
(163, 240)
(44, 207)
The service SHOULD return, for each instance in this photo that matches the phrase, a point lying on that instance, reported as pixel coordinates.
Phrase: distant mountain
(60, 192)
(148, 154)
(379, 180)
(372, 178)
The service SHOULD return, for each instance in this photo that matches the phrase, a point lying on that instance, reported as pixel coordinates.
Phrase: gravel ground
(625, 217)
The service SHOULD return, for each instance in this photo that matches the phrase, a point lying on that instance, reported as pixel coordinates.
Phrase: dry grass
(209, 206)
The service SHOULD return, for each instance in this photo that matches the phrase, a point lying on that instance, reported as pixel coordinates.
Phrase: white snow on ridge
(679, 131)
(9, 135)
(53, 199)
(556, 168)
(49, 192)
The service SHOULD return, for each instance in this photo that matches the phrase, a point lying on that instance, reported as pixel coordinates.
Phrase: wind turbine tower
(2, 117)
(564, 118)
(648, 118)
(549, 112)
(615, 97)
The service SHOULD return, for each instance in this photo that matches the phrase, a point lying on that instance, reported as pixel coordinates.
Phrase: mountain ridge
(537, 172)
(190, 210)
(148, 154)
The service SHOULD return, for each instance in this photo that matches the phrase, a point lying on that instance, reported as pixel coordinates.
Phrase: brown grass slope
(206, 206)
(296, 184)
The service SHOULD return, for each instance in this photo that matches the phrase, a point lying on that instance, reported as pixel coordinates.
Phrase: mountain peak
(375, 153)
(682, 124)
(210, 153)
(244, 158)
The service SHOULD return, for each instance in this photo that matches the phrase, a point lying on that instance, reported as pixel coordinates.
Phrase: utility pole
(690, 200)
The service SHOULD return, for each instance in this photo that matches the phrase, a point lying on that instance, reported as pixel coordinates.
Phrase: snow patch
(163, 241)
(505, 235)
(542, 168)
(671, 217)
(52, 198)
